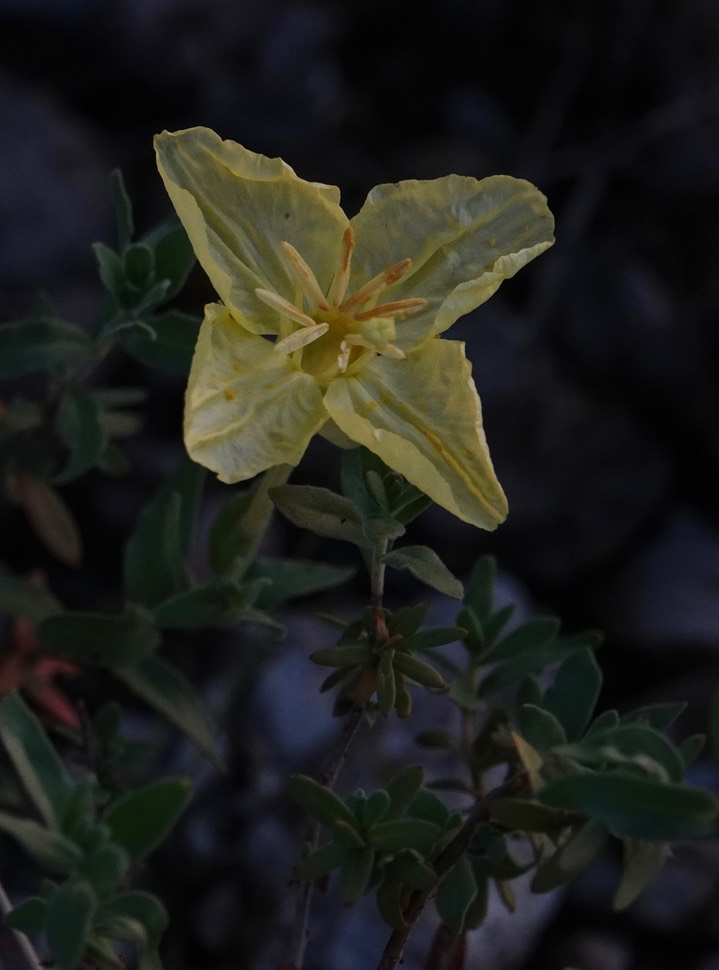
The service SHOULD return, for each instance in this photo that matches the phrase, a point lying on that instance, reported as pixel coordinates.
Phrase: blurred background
(597, 366)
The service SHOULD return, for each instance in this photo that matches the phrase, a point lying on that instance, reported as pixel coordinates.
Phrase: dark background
(597, 365)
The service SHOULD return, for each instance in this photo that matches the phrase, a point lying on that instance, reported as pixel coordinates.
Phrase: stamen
(304, 275)
(388, 350)
(338, 286)
(300, 338)
(392, 309)
(393, 351)
(285, 307)
(377, 283)
(343, 357)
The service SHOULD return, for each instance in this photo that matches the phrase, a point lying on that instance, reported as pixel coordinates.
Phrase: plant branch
(330, 773)
(444, 862)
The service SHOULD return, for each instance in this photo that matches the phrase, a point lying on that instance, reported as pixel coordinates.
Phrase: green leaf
(605, 721)
(141, 907)
(630, 745)
(575, 691)
(658, 716)
(434, 637)
(642, 863)
(166, 341)
(100, 638)
(110, 268)
(79, 423)
(292, 578)
(403, 789)
(456, 894)
(376, 808)
(28, 916)
(540, 728)
(52, 850)
(142, 819)
(174, 255)
(479, 594)
(527, 638)
(344, 655)
(320, 803)
(34, 758)
(139, 263)
(30, 346)
(166, 689)
(531, 659)
(406, 621)
(523, 815)
(123, 208)
(426, 566)
(405, 833)
(356, 874)
(68, 921)
(355, 465)
(478, 908)
(22, 597)
(320, 511)
(321, 861)
(49, 516)
(691, 748)
(419, 671)
(382, 527)
(571, 858)
(386, 682)
(159, 546)
(105, 868)
(222, 603)
(636, 807)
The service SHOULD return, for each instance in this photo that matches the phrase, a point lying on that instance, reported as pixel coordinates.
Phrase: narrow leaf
(636, 807)
(142, 819)
(68, 921)
(34, 758)
(425, 565)
(100, 638)
(166, 689)
(320, 511)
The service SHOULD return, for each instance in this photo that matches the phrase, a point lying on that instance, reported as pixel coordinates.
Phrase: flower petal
(422, 416)
(246, 407)
(464, 237)
(238, 207)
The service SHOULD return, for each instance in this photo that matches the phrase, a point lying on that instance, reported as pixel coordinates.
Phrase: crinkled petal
(237, 207)
(423, 418)
(246, 407)
(464, 237)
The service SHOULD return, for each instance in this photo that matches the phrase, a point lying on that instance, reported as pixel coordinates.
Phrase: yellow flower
(329, 323)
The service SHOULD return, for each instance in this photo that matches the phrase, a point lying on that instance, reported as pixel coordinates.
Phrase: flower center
(328, 334)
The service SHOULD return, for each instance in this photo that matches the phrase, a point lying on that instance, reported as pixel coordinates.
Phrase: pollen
(230, 394)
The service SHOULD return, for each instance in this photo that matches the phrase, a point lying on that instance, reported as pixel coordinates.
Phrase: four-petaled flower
(328, 323)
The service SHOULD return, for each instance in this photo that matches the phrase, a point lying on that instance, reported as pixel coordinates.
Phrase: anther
(403, 307)
(304, 275)
(338, 286)
(300, 338)
(377, 283)
(284, 307)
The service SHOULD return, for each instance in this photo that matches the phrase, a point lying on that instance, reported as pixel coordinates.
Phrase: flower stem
(24, 945)
(328, 777)
(377, 571)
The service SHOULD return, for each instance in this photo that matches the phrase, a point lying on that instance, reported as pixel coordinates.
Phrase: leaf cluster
(89, 842)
